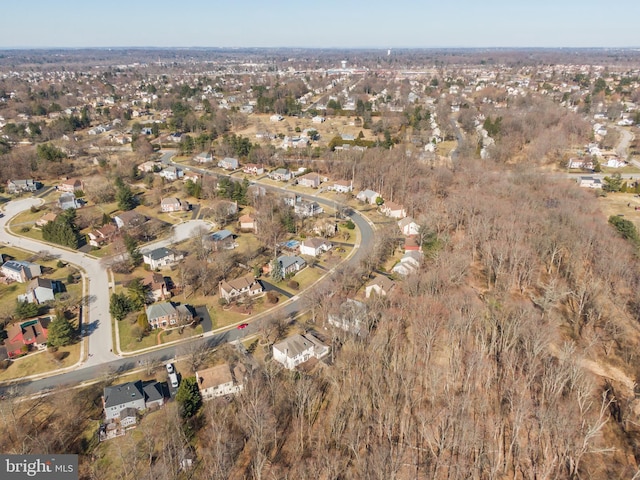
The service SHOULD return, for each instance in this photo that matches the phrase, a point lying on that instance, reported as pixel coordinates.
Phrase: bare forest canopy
(73, 58)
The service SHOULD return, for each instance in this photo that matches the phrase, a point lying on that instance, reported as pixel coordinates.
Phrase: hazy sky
(320, 23)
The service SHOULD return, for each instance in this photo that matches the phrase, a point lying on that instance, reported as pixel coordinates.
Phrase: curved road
(102, 361)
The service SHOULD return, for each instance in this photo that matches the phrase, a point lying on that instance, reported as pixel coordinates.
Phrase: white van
(173, 378)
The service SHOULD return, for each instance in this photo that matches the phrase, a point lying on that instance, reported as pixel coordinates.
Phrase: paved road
(98, 326)
(103, 362)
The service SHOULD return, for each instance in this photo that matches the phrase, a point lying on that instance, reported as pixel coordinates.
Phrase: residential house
(412, 243)
(103, 235)
(298, 349)
(291, 264)
(589, 182)
(318, 119)
(149, 167)
(173, 204)
(220, 380)
(46, 218)
(314, 246)
(325, 227)
(171, 173)
(175, 137)
(68, 201)
(307, 209)
(342, 186)
(229, 163)
(380, 285)
(408, 226)
(131, 395)
(19, 271)
(222, 240)
(165, 314)
(409, 263)
(22, 336)
(290, 199)
(203, 157)
(240, 287)
(17, 186)
(582, 163)
(71, 186)
(350, 316)
(161, 257)
(253, 169)
(248, 223)
(157, 287)
(311, 180)
(280, 174)
(129, 219)
(368, 196)
(40, 290)
(393, 210)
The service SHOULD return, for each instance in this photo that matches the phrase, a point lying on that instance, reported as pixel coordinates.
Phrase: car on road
(170, 368)
(242, 326)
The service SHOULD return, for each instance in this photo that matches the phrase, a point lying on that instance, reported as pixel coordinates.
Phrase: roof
(383, 282)
(214, 376)
(238, 283)
(170, 201)
(129, 216)
(153, 391)
(158, 253)
(297, 344)
(315, 242)
(221, 235)
(246, 219)
(405, 221)
(123, 393)
(40, 282)
(392, 206)
(286, 261)
(157, 310)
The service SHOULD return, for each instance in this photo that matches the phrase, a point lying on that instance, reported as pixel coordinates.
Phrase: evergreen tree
(26, 310)
(124, 196)
(276, 271)
(188, 397)
(137, 293)
(119, 305)
(60, 332)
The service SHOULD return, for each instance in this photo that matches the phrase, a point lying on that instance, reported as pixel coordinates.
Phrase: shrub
(293, 284)
(272, 297)
(222, 302)
(4, 364)
(60, 264)
(25, 229)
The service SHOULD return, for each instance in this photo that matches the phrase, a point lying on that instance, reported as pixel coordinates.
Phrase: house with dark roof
(103, 235)
(291, 264)
(161, 257)
(222, 240)
(157, 286)
(131, 395)
(307, 209)
(167, 314)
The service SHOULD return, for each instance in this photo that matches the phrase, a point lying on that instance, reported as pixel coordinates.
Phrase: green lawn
(128, 343)
(174, 334)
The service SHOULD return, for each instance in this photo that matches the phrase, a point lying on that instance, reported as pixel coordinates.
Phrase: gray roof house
(166, 314)
(297, 349)
(291, 264)
(134, 395)
(229, 163)
(161, 257)
(307, 209)
(40, 290)
(15, 186)
(368, 196)
(222, 240)
(68, 200)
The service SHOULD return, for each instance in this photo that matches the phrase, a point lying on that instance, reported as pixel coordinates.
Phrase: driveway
(180, 232)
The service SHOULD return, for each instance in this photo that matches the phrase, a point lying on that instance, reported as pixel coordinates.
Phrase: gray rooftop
(123, 393)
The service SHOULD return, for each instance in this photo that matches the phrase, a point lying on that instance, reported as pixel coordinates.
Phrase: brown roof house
(240, 287)
(220, 380)
(21, 336)
(380, 285)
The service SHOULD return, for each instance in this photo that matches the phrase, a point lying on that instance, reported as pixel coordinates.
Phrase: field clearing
(621, 204)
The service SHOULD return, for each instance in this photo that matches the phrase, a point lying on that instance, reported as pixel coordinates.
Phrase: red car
(243, 325)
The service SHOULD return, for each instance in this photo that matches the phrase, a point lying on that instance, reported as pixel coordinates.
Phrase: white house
(20, 271)
(229, 163)
(408, 226)
(314, 246)
(368, 196)
(351, 316)
(161, 257)
(173, 204)
(380, 285)
(393, 210)
(220, 380)
(203, 157)
(40, 290)
(297, 349)
(589, 182)
(342, 186)
(171, 173)
(240, 287)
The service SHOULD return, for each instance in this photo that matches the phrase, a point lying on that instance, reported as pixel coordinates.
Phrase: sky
(320, 23)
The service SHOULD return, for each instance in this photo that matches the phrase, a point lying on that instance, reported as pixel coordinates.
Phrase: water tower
(344, 64)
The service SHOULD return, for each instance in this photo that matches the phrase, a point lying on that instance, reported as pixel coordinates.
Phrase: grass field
(40, 362)
(621, 204)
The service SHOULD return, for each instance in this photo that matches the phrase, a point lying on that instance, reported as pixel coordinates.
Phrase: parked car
(170, 368)
(173, 379)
